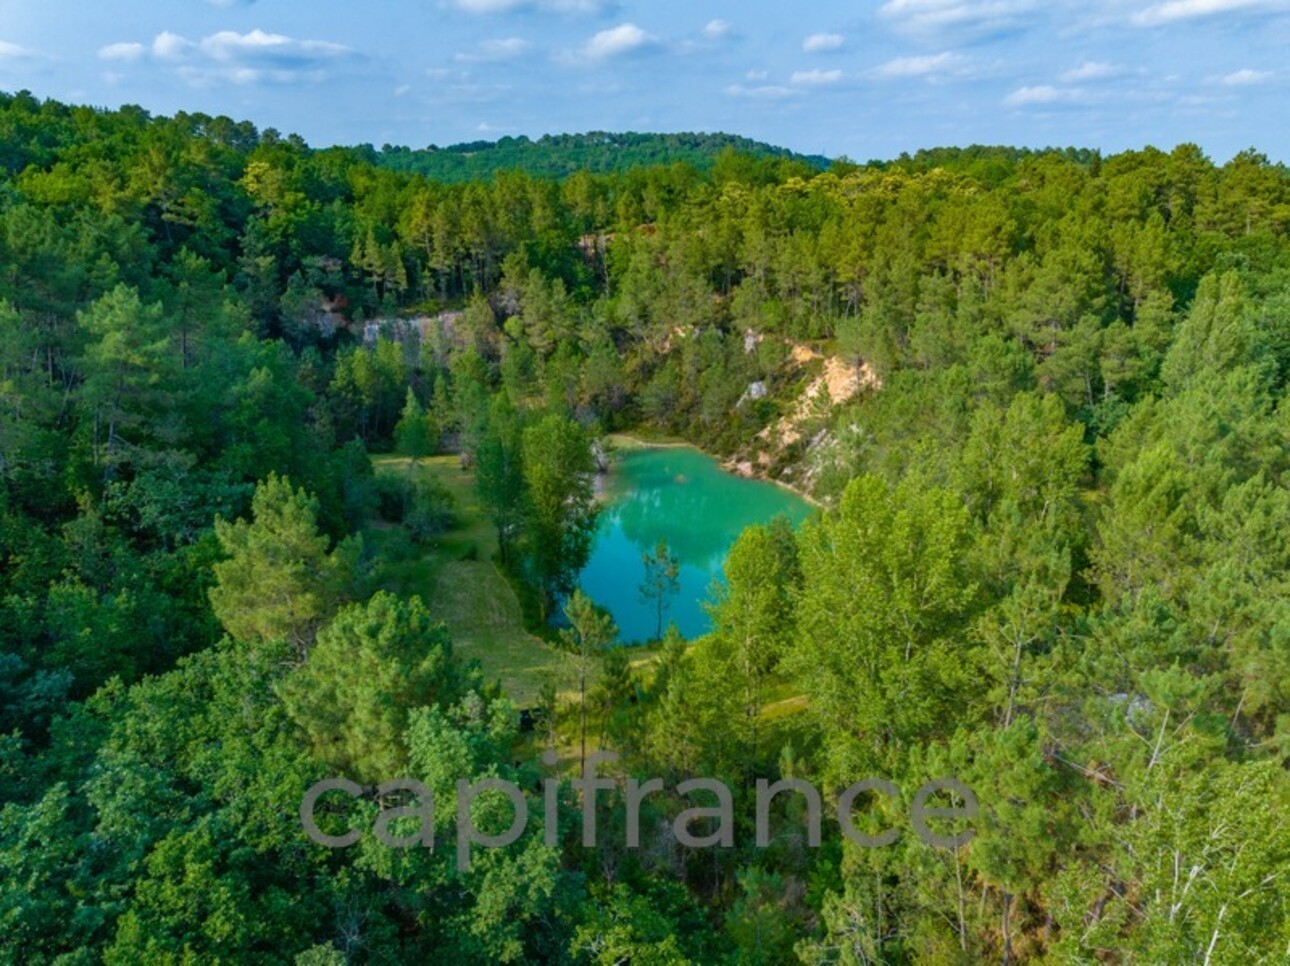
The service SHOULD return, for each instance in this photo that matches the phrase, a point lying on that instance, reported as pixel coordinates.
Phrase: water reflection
(682, 497)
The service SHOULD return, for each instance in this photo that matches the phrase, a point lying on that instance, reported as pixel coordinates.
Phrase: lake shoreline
(728, 465)
(675, 494)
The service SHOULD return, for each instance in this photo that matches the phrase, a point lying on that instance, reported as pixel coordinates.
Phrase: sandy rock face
(839, 383)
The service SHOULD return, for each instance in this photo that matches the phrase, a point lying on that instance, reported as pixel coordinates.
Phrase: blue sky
(862, 79)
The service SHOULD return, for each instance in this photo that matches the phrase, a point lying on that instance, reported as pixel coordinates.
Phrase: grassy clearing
(456, 576)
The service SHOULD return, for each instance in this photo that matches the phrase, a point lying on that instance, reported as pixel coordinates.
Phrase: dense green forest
(560, 155)
(1053, 558)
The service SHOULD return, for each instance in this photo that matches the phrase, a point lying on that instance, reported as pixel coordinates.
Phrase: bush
(430, 512)
(394, 497)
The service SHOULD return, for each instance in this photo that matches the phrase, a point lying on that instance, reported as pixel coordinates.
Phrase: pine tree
(369, 668)
(591, 630)
(415, 432)
(279, 581)
(662, 581)
(561, 510)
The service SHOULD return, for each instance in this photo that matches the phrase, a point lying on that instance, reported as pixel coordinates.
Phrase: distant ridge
(560, 155)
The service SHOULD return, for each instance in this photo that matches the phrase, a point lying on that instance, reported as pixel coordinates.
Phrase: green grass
(455, 574)
(788, 707)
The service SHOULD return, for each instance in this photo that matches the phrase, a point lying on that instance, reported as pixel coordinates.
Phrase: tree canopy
(1038, 396)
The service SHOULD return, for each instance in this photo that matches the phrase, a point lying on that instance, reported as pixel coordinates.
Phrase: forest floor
(455, 574)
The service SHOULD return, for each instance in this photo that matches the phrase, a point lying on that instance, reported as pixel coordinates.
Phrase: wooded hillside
(1055, 561)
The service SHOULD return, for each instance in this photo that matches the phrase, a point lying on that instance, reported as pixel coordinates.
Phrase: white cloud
(462, 93)
(122, 52)
(231, 57)
(511, 6)
(956, 16)
(170, 46)
(505, 48)
(1201, 100)
(1173, 11)
(1245, 77)
(487, 6)
(770, 92)
(1041, 95)
(1091, 70)
(815, 78)
(616, 41)
(228, 45)
(918, 66)
(716, 29)
(820, 43)
(12, 51)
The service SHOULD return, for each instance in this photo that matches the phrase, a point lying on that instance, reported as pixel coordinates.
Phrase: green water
(683, 497)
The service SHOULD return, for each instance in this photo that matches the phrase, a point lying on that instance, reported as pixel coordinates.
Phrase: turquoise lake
(683, 497)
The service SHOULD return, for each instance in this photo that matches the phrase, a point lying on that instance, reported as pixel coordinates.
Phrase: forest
(1052, 557)
(596, 152)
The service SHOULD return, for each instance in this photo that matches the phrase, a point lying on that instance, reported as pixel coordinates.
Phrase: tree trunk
(1007, 929)
(582, 715)
(958, 880)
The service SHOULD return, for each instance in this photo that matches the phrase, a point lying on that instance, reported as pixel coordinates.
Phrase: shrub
(431, 510)
(394, 497)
